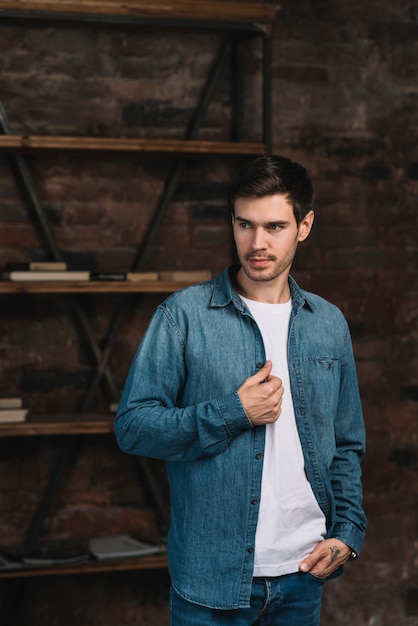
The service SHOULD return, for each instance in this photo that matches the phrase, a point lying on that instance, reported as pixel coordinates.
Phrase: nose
(259, 240)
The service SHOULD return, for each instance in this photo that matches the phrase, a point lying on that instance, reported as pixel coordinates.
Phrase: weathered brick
(344, 104)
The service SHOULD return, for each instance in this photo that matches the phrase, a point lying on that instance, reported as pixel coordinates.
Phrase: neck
(275, 291)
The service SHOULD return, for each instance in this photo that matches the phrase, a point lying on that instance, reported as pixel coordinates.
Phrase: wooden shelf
(250, 18)
(203, 10)
(173, 147)
(59, 424)
(157, 561)
(93, 286)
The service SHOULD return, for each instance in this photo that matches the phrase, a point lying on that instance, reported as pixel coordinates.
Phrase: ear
(305, 226)
(232, 218)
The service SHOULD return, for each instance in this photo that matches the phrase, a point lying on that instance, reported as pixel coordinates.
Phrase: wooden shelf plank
(59, 424)
(157, 561)
(93, 286)
(204, 10)
(175, 147)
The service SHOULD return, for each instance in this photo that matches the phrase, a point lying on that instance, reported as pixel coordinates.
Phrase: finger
(259, 377)
(306, 564)
(263, 373)
(311, 560)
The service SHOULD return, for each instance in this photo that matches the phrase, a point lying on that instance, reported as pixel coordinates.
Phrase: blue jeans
(291, 600)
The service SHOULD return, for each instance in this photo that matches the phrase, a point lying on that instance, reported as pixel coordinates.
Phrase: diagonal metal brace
(102, 356)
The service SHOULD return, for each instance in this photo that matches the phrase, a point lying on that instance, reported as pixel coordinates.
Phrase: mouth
(259, 261)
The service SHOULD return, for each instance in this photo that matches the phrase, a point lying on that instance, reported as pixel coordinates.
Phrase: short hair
(270, 175)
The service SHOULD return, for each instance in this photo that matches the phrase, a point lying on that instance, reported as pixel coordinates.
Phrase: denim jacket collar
(224, 292)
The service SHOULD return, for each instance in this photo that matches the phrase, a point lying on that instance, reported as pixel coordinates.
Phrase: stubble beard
(268, 274)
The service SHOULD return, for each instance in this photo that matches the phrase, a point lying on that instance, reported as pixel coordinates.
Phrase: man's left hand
(326, 557)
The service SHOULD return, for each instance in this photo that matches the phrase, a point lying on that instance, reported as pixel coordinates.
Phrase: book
(50, 560)
(82, 275)
(107, 275)
(12, 415)
(197, 275)
(119, 546)
(138, 276)
(72, 551)
(26, 266)
(9, 562)
(11, 403)
(47, 275)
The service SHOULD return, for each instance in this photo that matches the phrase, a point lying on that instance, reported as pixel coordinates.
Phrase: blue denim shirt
(180, 404)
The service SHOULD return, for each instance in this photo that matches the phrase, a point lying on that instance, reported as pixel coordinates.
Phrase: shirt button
(254, 501)
(258, 455)
(250, 550)
(259, 365)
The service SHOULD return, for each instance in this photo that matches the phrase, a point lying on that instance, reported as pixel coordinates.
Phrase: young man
(246, 386)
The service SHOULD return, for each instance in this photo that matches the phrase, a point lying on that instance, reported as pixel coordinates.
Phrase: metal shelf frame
(235, 33)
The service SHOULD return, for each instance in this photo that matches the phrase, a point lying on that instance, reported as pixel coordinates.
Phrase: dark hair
(269, 175)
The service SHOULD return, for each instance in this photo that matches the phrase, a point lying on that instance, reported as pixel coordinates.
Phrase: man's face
(266, 236)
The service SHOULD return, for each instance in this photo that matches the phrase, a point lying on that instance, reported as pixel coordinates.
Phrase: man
(246, 386)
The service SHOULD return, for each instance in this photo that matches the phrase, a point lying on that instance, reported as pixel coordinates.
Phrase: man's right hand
(261, 396)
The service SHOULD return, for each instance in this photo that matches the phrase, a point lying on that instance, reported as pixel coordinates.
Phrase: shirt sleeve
(151, 420)
(350, 521)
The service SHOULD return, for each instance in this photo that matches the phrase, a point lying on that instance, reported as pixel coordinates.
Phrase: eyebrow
(272, 223)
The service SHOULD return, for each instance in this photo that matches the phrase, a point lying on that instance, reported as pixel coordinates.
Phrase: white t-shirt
(290, 521)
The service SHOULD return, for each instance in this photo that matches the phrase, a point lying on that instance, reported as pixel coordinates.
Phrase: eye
(244, 225)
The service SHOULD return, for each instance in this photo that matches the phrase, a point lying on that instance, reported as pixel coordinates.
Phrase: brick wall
(344, 104)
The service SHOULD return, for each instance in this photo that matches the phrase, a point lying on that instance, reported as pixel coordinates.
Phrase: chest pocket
(321, 378)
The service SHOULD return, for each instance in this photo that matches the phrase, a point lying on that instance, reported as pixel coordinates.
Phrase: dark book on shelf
(9, 560)
(71, 551)
(107, 275)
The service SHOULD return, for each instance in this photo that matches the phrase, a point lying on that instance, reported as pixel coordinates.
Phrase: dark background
(344, 105)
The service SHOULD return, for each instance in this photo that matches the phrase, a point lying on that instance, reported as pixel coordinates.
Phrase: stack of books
(11, 410)
(77, 550)
(58, 271)
(42, 270)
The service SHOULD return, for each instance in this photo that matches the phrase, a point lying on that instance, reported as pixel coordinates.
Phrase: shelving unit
(32, 143)
(59, 424)
(158, 561)
(71, 425)
(93, 286)
(238, 21)
(203, 11)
